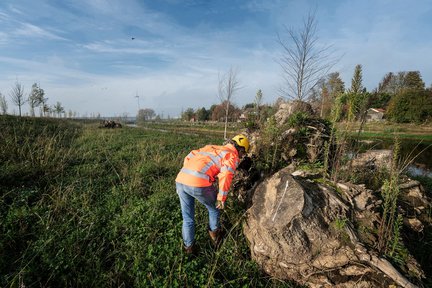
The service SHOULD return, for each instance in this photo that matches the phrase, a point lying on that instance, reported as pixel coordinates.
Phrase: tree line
(401, 95)
(35, 99)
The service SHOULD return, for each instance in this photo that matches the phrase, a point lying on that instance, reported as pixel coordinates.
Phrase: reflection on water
(418, 171)
(421, 152)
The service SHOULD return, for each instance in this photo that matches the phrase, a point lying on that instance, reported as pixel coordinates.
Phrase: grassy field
(89, 207)
(380, 130)
(215, 129)
(387, 130)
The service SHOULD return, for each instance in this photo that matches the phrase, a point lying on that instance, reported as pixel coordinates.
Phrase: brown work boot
(216, 236)
(190, 250)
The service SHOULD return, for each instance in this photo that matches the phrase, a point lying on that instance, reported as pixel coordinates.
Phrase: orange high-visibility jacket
(202, 166)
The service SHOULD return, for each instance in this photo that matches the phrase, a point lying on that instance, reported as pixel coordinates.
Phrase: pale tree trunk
(228, 85)
(17, 96)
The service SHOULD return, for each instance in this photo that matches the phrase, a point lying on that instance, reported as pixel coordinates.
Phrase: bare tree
(36, 98)
(228, 85)
(17, 95)
(3, 104)
(258, 102)
(46, 110)
(304, 62)
(58, 108)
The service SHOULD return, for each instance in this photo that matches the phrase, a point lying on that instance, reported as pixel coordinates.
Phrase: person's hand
(220, 204)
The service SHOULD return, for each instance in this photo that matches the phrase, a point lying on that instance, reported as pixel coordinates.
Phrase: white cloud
(3, 16)
(30, 30)
(15, 10)
(101, 47)
(4, 38)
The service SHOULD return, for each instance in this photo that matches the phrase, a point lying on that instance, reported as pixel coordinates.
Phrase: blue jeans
(204, 195)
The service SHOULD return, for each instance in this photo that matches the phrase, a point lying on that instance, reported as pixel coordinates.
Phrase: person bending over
(201, 168)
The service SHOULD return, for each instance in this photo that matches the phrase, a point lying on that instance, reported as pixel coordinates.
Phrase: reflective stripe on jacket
(202, 166)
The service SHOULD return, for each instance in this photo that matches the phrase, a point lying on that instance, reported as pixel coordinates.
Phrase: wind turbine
(138, 100)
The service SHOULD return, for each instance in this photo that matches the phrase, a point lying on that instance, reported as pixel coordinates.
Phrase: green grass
(88, 207)
(388, 130)
(376, 130)
(216, 129)
(391, 135)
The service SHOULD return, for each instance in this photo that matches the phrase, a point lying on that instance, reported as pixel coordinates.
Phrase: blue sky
(82, 54)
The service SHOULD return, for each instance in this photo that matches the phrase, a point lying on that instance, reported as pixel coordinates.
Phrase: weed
(397, 251)
(269, 147)
(390, 193)
(340, 223)
(316, 167)
(297, 119)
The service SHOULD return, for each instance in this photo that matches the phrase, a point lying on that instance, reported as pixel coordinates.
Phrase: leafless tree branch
(228, 85)
(17, 95)
(302, 61)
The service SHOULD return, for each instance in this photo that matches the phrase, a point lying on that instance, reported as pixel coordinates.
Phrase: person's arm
(229, 165)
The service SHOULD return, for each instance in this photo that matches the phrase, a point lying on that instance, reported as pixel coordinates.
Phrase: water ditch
(418, 153)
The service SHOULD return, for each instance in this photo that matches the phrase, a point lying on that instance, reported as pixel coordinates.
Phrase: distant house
(375, 114)
(242, 117)
(247, 114)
